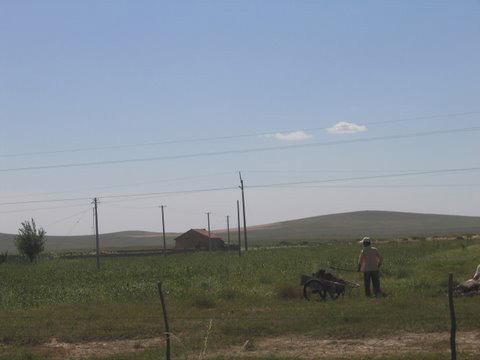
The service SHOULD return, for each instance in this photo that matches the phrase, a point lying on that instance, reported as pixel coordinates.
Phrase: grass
(254, 296)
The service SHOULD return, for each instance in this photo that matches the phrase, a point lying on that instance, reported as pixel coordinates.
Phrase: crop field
(223, 306)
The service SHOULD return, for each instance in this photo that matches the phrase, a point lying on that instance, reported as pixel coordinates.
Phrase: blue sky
(111, 73)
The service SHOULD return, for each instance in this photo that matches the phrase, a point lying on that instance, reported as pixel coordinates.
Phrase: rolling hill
(343, 226)
(355, 225)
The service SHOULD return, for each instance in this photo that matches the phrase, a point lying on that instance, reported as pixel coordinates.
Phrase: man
(369, 263)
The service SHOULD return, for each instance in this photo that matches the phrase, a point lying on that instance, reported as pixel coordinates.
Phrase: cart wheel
(335, 296)
(313, 289)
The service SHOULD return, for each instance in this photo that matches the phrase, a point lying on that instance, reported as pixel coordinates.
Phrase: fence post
(453, 328)
(165, 319)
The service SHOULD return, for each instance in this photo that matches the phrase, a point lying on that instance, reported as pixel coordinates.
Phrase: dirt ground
(305, 347)
(298, 347)
(102, 348)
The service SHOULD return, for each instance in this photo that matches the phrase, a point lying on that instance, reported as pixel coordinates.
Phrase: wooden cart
(319, 285)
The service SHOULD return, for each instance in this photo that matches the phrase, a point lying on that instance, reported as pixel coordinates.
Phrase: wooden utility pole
(163, 232)
(97, 242)
(209, 234)
(228, 231)
(453, 322)
(239, 236)
(165, 320)
(244, 216)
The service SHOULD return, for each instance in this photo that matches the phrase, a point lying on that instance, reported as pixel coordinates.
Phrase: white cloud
(291, 136)
(344, 127)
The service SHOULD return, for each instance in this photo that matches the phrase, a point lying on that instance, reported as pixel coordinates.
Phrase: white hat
(365, 240)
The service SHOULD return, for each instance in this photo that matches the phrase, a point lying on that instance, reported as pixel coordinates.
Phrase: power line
(368, 171)
(39, 209)
(202, 176)
(188, 212)
(438, 116)
(169, 192)
(69, 217)
(123, 185)
(155, 194)
(77, 222)
(242, 151)
(140, 197)
(147, 195)
(227, 137)
(131, 207)
(444, 171)
(45, 201)
(376, 186)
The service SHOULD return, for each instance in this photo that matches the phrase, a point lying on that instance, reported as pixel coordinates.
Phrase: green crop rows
(254, 296)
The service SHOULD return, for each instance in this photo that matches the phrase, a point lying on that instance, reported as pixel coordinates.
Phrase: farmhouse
(198, 239)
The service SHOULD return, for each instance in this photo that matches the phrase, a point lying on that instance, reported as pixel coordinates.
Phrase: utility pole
(163, 232)
(209, 234)
(228, 231)
(453, 321)
(239, 236)
(244, 216)
(97, 243)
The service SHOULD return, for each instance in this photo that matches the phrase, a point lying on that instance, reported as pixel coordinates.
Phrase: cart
(320, 284)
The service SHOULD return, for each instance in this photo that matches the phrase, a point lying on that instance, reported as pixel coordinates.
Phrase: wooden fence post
(453, 328)
(165, 319)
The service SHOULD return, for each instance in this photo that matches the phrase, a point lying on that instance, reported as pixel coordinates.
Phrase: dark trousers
(374, 277)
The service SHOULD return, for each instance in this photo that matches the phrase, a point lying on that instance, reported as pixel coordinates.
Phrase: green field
(251, 302)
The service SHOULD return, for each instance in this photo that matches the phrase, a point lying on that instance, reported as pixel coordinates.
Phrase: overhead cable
(150, 194)
(227, 137)
(378, 186)
(71, 216)
(122, 185)
(243, 151)
(155, 194)
(429, 172)
(39, 209)
(368, 171)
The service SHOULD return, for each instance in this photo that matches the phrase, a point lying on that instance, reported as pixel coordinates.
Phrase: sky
(324, 106)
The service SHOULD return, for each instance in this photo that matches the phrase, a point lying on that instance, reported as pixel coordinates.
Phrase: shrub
(3, 257)
(30, 241)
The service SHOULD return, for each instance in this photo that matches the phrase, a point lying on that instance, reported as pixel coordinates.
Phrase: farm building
(198, 239)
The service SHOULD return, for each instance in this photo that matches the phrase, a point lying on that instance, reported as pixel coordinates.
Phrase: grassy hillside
(344, 226)
(354, 225)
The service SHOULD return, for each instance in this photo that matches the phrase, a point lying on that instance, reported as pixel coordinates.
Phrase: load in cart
(321, 284)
